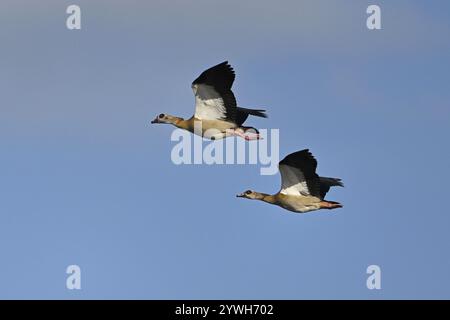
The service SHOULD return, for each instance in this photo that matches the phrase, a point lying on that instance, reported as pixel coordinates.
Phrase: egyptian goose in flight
(302, 190)
(216, 110)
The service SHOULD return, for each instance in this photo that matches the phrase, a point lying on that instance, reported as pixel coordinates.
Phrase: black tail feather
(326, 183)
(242, 114)
(254, 112)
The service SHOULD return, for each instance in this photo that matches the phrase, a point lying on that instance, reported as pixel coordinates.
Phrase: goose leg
(239, 132)
(329, 204)
(252, 136)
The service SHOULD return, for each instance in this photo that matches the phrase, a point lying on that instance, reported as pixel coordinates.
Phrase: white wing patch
(209, 104)
(293, 181)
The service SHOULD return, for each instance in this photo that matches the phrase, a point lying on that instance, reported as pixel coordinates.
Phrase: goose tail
(254, 112)
(331, 182)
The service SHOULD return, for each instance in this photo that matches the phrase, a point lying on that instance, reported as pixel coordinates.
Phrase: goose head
(165, 118)
(249, 194)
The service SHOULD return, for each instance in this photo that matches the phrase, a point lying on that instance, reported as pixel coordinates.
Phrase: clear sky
(86, 180)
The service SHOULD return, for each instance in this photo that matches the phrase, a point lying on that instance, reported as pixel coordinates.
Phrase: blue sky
(86, 180)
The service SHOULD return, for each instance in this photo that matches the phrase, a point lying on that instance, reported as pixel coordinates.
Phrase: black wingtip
(223, 64)
(220, 76)
(300, 157)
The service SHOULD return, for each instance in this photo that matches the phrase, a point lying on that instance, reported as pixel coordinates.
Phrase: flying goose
(216, 107)
(302, 190)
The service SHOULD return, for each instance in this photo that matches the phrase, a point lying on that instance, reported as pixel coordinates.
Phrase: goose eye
(248, 192)
(161, 116)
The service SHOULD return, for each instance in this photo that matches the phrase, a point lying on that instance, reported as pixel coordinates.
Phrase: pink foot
(250, 137)
(245, 135)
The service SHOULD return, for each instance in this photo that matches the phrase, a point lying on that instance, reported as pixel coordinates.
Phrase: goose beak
(155, 120)
(241, 195)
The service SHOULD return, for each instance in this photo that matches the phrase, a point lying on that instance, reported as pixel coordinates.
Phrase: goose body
(216, 112)
(302, 190)
(210, 129)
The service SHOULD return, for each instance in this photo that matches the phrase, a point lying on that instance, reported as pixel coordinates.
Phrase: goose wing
(298, 174)
(214, 99)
